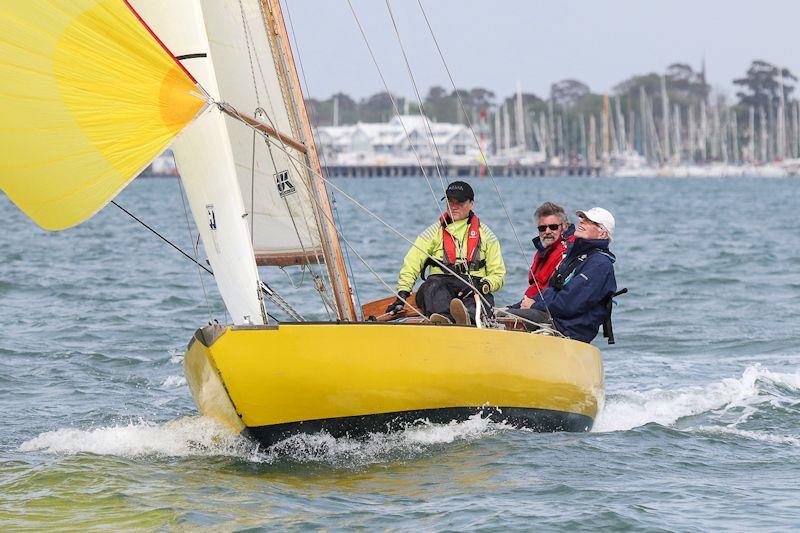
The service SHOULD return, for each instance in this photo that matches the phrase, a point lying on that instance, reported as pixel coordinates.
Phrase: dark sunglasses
(552, 227)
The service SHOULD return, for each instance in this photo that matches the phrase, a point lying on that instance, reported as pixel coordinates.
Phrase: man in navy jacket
(583, 282)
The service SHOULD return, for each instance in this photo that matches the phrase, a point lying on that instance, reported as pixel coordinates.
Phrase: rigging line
(394, 106)
(317, 279)
(337, 216)
(295, 285)
(194, 248)
(320, 151)
(250, 43)
(318, 285)
(253, 194)
(278, 300)
(374, 215)
(474, 135)
(438, 156)
(247, 39)
(157, 234)
(419, 99)
(543, 328)
(369, 267)
(483, 155)
(460, 244)
(369, 212)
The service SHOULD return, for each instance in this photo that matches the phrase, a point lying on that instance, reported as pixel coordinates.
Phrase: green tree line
(758, 87)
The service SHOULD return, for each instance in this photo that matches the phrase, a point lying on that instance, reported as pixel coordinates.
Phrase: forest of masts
(668, 118)
(690, 133)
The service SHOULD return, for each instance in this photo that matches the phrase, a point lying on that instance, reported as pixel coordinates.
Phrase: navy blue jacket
(578, 308)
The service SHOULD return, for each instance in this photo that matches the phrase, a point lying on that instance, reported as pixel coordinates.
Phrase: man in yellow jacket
(468, 247)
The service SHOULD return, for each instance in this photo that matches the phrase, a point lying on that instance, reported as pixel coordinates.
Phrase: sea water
(700, 428)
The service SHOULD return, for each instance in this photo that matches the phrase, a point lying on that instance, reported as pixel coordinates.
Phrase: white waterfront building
(388, 143)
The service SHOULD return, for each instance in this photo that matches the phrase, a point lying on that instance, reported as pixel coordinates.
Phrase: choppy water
(701, 427)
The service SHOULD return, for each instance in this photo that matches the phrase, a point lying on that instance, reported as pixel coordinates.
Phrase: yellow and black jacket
(490, 267)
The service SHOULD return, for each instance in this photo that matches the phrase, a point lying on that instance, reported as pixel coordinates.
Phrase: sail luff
(334, 258)
(160, 42)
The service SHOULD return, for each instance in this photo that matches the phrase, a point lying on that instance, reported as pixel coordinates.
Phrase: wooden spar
(290, 259)
(290, 82)
(263, 128)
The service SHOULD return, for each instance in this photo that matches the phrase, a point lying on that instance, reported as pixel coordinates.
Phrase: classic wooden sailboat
(216, 79)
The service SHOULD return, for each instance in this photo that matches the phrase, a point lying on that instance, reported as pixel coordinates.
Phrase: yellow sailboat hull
(271, 382)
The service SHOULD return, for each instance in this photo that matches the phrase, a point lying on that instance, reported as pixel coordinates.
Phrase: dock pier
(391, 171)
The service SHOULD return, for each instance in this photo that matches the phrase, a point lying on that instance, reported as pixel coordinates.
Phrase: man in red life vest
(552, 244)
(467, 247)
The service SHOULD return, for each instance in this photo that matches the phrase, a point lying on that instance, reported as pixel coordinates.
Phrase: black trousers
(435, 293)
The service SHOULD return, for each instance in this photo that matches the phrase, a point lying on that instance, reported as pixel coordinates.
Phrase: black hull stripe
(541, 420)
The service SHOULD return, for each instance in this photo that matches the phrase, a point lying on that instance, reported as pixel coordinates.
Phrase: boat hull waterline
(272, 382)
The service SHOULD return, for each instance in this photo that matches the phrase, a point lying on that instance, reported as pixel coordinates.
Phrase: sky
(496, 44)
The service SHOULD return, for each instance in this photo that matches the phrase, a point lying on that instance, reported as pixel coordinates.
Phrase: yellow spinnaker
(88, 97)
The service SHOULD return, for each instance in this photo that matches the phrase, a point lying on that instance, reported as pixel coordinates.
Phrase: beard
(547, 241)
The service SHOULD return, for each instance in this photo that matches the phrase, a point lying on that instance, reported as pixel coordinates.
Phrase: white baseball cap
(601, 216)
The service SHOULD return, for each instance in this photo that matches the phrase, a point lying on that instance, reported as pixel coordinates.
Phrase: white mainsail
(254, 201)
(274, 187)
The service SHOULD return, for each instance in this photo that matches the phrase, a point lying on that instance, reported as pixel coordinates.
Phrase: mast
(336, 110)
(796, 130)
(643, 132)
(498, 143)
(623, 137)
(781, 122)
(762, 125)
(692, 134)
(546, 147)
(605, 127)
(703, 131)
(506, 128)
(678, 141)
(519, 118)
(751, 142)
(665, 118)
(331, 247)
(583, 151)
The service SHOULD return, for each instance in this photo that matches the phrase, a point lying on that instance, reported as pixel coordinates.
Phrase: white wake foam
(754, 435)
(174, 382)
(178, 438)
(630, 409)
(200, 436)
(380, 447)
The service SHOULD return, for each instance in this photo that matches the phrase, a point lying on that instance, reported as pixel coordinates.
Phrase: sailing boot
(459, 312)
(437, 318)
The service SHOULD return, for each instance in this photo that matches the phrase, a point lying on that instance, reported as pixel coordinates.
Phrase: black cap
(459, 190)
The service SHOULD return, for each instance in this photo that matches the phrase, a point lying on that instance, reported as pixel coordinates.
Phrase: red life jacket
(544, 264)
(473, 255)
